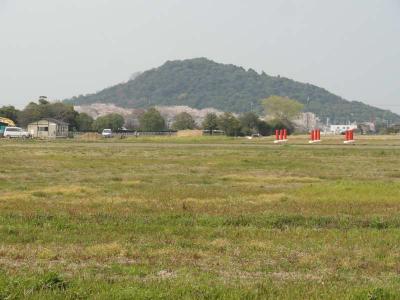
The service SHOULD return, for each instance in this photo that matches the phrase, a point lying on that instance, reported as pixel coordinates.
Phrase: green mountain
(201, 83)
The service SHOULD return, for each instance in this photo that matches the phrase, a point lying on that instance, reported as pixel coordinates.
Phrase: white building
(338, 129)
(48, 128)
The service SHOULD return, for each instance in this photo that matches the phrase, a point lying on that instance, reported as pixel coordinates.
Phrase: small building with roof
(48, 128)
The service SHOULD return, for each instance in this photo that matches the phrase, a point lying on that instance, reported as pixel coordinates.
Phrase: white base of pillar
(280, 141)
(349, 142)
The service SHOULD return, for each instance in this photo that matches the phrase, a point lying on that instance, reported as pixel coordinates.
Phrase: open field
(202, 218)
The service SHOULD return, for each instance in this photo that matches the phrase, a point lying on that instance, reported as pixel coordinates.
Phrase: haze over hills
(201, 83)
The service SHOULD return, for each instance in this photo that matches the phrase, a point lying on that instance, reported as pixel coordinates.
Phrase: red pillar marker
(280, 136)
(349, 137)
(277, 136)
(312, 137)
(315, 136)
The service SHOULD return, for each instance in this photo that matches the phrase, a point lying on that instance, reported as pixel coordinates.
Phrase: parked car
(15, 132)
(107, 133)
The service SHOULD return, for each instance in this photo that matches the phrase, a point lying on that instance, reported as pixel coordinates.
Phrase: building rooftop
(58, 122)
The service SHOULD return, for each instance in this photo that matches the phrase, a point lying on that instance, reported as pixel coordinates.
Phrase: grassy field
(203, 218)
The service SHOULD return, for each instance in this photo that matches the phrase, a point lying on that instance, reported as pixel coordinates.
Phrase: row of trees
(246, 124)
(280, 112)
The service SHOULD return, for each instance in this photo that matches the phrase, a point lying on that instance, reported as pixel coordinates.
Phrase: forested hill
(201, 83)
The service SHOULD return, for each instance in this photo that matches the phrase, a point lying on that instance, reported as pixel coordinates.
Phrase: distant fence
(151, 133)
(133, 133)
(213, 132)
(128, 133)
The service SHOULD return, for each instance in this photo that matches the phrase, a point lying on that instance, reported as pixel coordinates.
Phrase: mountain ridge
(202, 83)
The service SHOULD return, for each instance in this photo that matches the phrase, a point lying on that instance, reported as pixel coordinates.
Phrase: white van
(15, 132)
(107, 133)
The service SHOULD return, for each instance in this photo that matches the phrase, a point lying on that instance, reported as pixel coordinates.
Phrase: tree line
(279, 110)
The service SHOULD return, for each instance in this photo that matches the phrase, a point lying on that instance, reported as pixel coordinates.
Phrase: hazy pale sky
(63, 48)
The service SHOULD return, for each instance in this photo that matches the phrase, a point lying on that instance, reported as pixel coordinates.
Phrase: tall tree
(32, 112)
(249, 123)
(264, 128)
(210, 122)
(43, 100)
(183, 121)
(84, 122)
(63, 112)
(229, 124)
(110, 121)
(152, 120)
(282, 108)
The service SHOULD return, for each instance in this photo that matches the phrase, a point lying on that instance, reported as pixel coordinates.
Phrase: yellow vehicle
(4, 122)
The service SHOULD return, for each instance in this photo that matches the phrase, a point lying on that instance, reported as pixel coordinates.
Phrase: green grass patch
(200, 218)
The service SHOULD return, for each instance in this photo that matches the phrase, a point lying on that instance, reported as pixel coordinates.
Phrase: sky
(64, 48)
